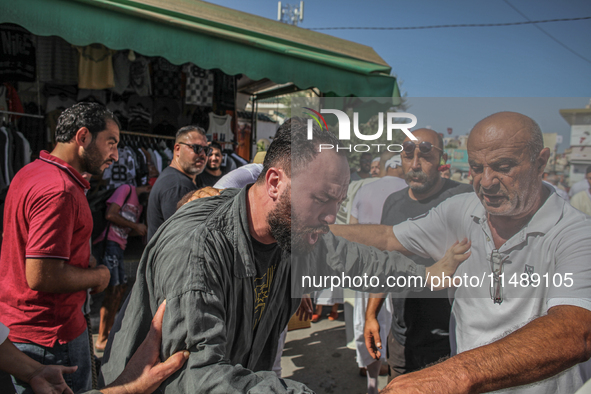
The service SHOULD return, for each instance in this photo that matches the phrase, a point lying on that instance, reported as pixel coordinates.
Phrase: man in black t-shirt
(420, 326)
(213, 170)
(178, 179)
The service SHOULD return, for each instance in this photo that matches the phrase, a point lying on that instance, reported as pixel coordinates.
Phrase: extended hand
(447, 266)
(49, 380)
(305, 309)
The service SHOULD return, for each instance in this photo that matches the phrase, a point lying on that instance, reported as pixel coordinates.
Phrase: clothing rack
(148, 135)
(22, 114)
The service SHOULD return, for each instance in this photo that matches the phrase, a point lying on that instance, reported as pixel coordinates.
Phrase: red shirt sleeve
(51, 226)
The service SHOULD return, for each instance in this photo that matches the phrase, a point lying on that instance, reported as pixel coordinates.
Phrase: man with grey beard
(420, 326)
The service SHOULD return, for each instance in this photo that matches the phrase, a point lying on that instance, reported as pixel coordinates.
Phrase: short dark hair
(292, 150)
(183, 131)
(93, 116)
(588, 170)
(214, 144)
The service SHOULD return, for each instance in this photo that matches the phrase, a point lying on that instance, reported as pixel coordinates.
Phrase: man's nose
(329, 215)
(489, 178)
(115, 155)
(416, 163)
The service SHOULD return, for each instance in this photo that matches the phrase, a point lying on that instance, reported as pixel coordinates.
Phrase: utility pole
(290, 13)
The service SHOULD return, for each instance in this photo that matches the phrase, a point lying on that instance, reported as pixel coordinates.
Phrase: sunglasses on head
(424, 147)
(199, 149)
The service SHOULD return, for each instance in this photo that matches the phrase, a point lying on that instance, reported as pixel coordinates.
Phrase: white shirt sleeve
(431, 234)
(3, 333)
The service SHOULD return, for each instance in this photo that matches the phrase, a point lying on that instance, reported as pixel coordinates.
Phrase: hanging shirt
(121, 69)
(26, 148)
(225, 89)
(92, 95)
(57, 61)
(122, 171)
(17, 54)
(199, 88)
(119, 108)
(95, 69)
(220, 125)
(139, 76)
(167, 78)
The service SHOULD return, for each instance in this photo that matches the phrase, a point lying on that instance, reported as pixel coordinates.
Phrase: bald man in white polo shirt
(537, 329)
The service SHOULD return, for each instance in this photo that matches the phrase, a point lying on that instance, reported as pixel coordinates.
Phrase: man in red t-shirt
(44, 266)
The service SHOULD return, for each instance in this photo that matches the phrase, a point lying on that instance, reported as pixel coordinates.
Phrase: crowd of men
(221, 276)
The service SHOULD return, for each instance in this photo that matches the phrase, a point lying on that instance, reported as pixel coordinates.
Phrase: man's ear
(273, 180)
(83, 137)
(542, 160)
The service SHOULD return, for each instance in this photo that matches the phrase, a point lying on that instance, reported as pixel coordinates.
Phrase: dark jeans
(112, 257)
(76, 352)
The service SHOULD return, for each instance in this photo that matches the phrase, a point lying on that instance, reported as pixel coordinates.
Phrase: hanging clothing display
(147, 94)
(199, 86)
(15, 152)
(220, 127)
(119, 108)
(32, 129)
(95, 68)
(92, 96)
(225, 90)
(121, 70)
(17, 54)
(57, 61)
(9, 99)
(167, 78)
(139, 76)
(165, 118)
(140, 114)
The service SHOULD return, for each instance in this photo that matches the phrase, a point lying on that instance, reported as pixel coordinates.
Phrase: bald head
(508, 126)
(428, 135)
(507, 160)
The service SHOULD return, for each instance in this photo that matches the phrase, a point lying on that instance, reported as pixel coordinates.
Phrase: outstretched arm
(541, 349)
(43, 379)
(376, 235)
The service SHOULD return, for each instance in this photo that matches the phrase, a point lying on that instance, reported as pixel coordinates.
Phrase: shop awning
(212, 36)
